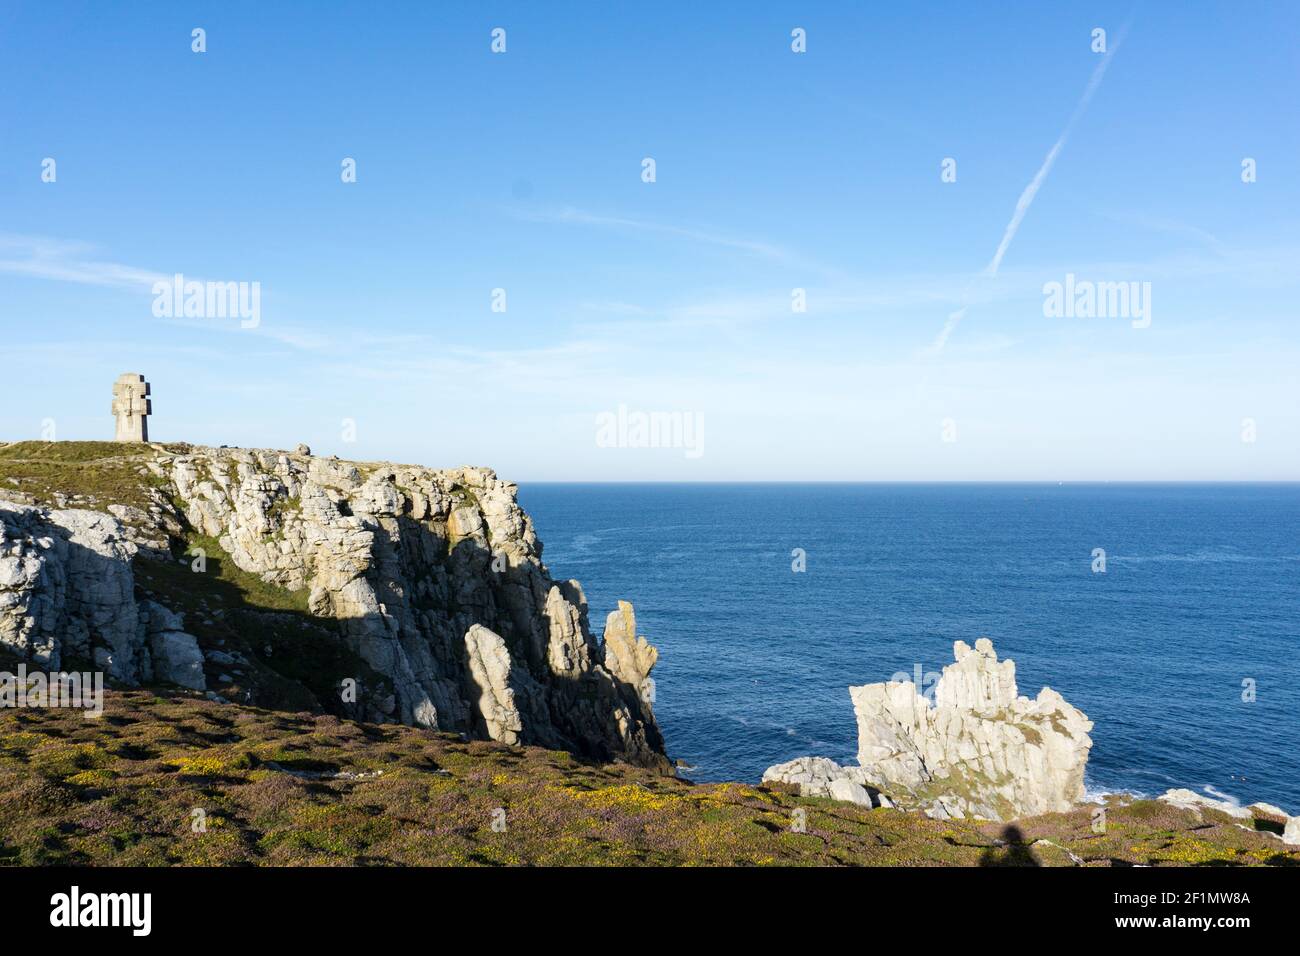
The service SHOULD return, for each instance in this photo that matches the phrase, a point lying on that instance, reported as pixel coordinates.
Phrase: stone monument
(130, 406)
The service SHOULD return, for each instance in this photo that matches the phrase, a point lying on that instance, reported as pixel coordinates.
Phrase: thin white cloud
(567, 368)
(1172, 227)
(751, 247)
(68, 261)
(890, 300)
(568, 214)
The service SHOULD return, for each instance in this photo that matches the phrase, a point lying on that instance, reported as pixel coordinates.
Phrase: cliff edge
(377, 591)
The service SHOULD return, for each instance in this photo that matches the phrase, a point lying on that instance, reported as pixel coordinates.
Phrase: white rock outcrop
(176, 656)
(628, 656)
(979, 750)
(1196, 802)
(66, 588)
(432, 578)
(408, 560)
(823, 777)
(490, 674)
(1185, 799)
(67, 594)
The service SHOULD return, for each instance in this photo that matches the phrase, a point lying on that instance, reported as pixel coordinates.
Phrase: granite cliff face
(67, 592)
(432, 579)
(980, 750)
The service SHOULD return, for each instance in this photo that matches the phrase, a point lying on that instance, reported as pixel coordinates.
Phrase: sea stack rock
(980, 750)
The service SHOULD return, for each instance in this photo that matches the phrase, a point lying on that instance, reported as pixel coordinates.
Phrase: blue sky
(774, 171)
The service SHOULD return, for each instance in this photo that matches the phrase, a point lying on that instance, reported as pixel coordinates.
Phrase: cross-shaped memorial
(130, 406)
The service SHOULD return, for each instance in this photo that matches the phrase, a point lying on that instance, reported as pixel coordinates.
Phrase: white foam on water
(1204, 556)
(1220, 795)
(1099, 794)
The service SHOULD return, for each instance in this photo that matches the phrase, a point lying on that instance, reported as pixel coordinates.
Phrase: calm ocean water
(1201, 591)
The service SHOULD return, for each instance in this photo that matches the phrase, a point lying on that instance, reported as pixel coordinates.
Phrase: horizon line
(913, 481)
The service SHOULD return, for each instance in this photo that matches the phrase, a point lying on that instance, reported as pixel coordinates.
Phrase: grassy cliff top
(279, 788)
(80, 474)
(96, 474)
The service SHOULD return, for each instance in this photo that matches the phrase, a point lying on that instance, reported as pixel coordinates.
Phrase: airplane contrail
(1027, 196)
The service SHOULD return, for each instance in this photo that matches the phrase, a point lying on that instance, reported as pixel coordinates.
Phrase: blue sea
(1201, 593)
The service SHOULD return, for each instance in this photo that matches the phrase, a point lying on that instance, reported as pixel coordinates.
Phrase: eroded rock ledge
(979, 750)
(433, 578)
(1279, 822)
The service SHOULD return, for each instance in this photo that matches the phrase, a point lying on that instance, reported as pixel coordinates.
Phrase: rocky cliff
(403, 594)
(979, 750)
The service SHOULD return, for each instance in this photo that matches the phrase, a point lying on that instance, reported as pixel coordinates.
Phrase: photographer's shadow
(1014, 853)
